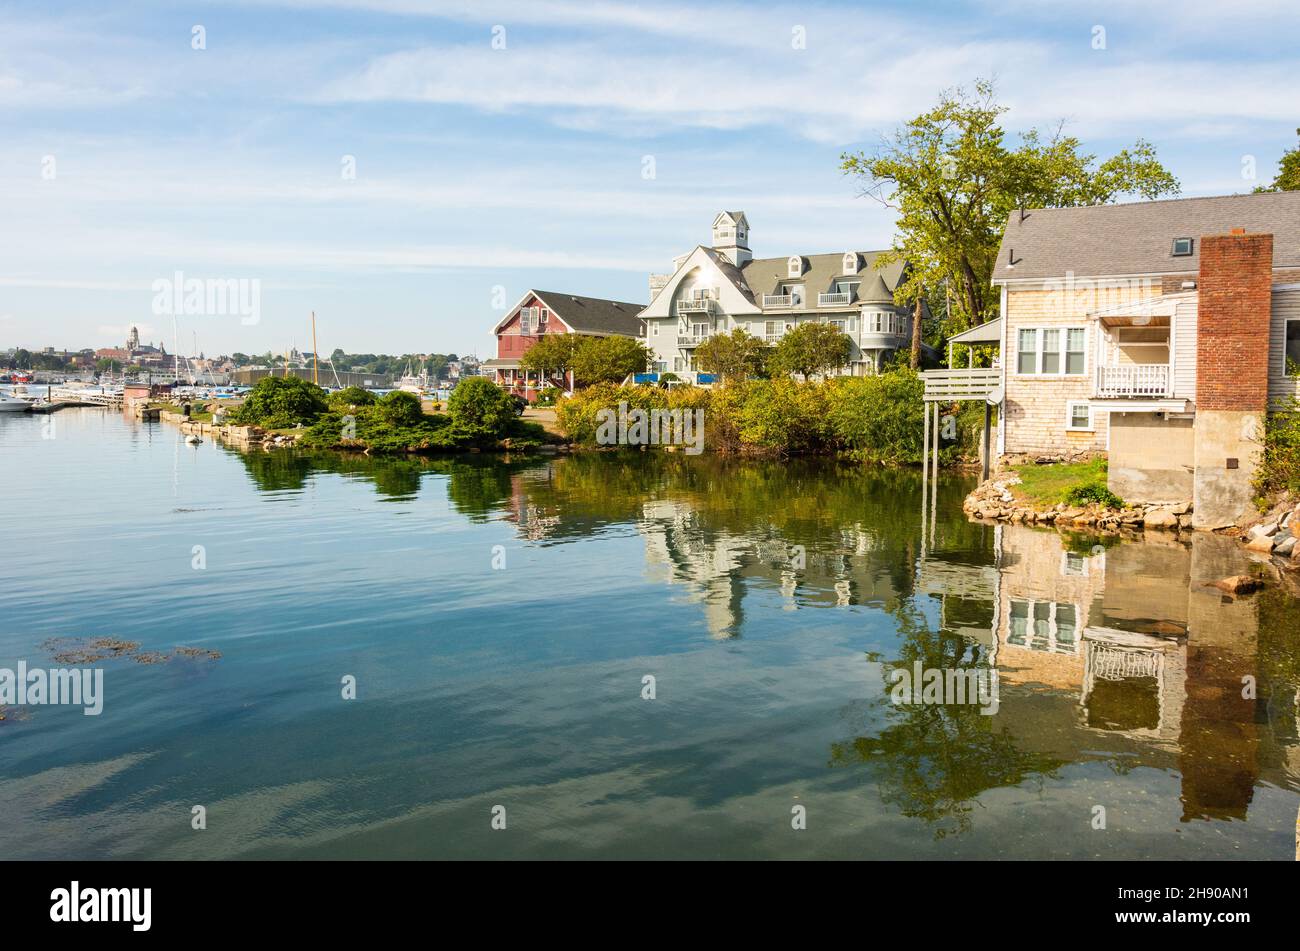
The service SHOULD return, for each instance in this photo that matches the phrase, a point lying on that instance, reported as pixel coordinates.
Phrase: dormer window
(794, 268)
(1182, 247)
(850, 263)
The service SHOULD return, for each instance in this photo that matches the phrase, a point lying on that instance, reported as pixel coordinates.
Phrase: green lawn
(1060, 482)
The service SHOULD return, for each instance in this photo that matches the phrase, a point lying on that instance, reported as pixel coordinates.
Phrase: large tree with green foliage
(733, 356)
(609, 359)
(553, 353)
(1288, 172)
(954, 180)
(810, 348)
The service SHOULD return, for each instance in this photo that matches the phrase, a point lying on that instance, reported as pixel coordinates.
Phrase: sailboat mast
(315, 353)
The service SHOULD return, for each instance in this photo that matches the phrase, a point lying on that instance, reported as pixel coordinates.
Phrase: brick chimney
(1232, 334)
(1236, 286)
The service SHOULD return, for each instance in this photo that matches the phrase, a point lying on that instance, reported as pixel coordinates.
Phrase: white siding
(1184, 350)
(1286, 304)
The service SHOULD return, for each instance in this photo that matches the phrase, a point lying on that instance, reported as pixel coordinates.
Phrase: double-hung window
(1050, 351)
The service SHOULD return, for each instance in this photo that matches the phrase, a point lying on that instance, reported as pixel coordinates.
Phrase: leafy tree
(733, 356)
(811, 348)
(609, 359)
(22, 359)
(1288, 172)
(279, 402)
(480, 409)
(954, 181)
(352, 396)
(553, 353)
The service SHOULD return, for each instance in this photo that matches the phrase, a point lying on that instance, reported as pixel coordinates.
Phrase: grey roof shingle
(594, 315)
(764, 275)
(1138, 237)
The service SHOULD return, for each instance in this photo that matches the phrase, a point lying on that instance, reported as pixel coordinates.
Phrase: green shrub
(480, 410)
(351, 396)
(1279, 469)
(879, 418)
(399, 408)
(1097, 492)
(281, 402)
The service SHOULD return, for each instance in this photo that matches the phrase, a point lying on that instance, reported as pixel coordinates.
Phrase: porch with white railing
(698, 305)
(1135, 380)
(833, 300)
(778, 300)
(693, 340)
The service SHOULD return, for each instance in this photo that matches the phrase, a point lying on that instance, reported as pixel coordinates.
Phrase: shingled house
(716, 289)
(550, 312)
(1160, 332)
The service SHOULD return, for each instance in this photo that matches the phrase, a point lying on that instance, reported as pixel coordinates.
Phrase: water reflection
(1112, 652)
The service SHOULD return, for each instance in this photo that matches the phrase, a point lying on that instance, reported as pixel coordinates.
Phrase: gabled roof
(584, 315)
(1138, 237)
(736, 216)
(594, 315)
(765, 274)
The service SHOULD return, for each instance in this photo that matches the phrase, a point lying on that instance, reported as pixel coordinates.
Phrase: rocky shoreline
(1275, 535)
(994, 500)
(245, 437)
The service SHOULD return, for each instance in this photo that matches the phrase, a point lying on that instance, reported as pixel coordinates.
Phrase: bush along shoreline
(480, 417)
(877, 420)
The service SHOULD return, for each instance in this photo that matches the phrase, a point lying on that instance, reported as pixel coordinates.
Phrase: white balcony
(694, 340)
(833, 300)
(1137, 380)
(778, 300)
(697, 305)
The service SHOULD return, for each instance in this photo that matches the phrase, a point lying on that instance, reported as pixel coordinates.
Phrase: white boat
(419, 385)
(9, 404)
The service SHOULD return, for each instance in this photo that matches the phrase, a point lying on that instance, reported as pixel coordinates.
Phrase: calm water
(1119, 671)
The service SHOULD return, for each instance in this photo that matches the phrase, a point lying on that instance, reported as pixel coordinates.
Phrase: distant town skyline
(408, 169)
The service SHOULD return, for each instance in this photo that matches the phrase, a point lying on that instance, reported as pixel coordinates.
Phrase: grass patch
(1069, 483)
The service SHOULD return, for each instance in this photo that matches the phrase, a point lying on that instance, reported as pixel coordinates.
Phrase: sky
(408, 169)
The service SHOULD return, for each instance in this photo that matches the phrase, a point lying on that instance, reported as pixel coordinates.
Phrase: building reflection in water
(1106, 650)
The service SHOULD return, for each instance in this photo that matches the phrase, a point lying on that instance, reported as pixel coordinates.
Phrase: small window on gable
(795, 267)
(542, 315)
(850, 263)
(1182, 247)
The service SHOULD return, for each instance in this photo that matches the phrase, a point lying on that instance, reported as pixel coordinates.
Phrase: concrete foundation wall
(1151, 458)
(1223, 495)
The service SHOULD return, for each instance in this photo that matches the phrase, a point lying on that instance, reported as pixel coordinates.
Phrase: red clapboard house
(549, 312)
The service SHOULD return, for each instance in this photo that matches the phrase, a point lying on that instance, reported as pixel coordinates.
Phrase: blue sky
(481, 172)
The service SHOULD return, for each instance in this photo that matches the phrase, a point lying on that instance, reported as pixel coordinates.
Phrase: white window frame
(654, 328)
(849, 265)
(794, 267)
(1069, 417)
(1286, 326)
(1064, 352)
